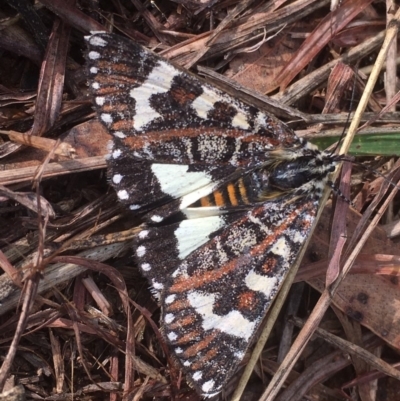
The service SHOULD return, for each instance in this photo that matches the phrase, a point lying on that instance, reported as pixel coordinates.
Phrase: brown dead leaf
(89, 139)
(371, 299)
(259, 70)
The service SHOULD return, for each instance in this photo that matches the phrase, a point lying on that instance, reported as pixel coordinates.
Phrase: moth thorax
(289, 175)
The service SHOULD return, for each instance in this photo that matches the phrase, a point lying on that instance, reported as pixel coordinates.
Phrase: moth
(228, 193)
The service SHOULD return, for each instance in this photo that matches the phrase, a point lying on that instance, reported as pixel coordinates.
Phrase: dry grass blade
(47, 144)
(51, 85)
(25, 174)
(338, 237)
(353, 349)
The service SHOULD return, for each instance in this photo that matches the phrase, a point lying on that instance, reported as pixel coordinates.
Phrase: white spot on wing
(106, 118)
(116, 153)
(94, 70)
(233, 323)
(156, 218)
(172, 336)
(169, 318)
(259, 223)
(158, 81)
(141, 251)
(119, 134)
(156, 285)
(207, 386)
(238, 145)
(239, 355)
(212, 148)
(298, 237)
(143, 234)
(241, 239)
(123, 194)
(205, 102)
(117, 178)
(197, 375)
(94, 55)
(170, 298)
(259, 283)
(145, 267)
(134, 207)
(95, 85)
(100, 100)
(97, 41)
(281, 248)
(260, 120)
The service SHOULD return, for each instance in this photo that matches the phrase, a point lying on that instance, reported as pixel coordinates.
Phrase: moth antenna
(377, 173)
(352, 160)
(336, 190)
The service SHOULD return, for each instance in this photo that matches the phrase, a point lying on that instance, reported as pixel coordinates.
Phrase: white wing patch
(233, 323)
(193, 233)
(204, 103)
(176, 181)
(262, 284)
(281, 248)
(159, 81)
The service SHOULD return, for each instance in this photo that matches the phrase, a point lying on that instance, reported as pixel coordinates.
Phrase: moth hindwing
(229, 193)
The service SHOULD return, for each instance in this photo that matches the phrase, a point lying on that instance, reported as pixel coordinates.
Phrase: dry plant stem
(30, 293)
(387, 109)
(353, 334)
(390, 81)
(371, 209)
(309, 381)
(78, 342)
(292, 308)
(25, 174)
(13, 273)
(355, 350)
(62, 149)
(326, 297)
(338, 236)
(391, 65)
(58, 362)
